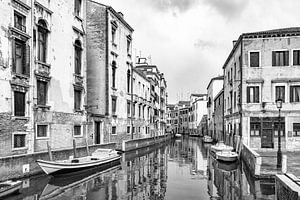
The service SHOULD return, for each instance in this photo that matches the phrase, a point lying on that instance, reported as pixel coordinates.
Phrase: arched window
(77, 56)
(128, 80)
(114, 66)
(42, 40)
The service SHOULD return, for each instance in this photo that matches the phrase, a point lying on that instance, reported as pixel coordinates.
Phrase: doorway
(97, 132)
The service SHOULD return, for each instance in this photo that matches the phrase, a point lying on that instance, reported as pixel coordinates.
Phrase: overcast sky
(189, 40)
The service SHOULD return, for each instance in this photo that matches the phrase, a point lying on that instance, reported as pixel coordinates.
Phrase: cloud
(228, 8)
(204, 44)
(171, 5)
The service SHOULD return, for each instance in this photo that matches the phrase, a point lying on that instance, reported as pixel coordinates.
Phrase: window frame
(291, 93)
(77, 8)
(274, 57)
(113, 74)
(13, 141)
(248, 88)
(113, 105)
(293, 64)
(259, 58)
(42, 30)
(78, 57)
(14, 103)
(23, 21)
(275, 92)
(80, 99)
(296, 135)
(38, 92)
(47, 131)
(81, 130)
(115, 130)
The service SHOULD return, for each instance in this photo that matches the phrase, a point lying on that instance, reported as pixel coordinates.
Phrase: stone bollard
(284, 164)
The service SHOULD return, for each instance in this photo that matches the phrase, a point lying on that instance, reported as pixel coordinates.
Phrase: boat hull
(227, 157)
(12, 187)
(52, 167)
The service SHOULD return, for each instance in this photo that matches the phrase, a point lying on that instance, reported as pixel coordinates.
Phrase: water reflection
(181, 169)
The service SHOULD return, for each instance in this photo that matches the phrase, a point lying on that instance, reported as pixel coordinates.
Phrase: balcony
(229, 110)
(43, 69)
(78, 80)
(21, 27)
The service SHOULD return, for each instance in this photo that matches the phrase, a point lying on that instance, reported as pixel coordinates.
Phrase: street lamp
(279, 154)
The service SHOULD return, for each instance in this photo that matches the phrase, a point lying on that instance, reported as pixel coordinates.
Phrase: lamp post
(279, 154)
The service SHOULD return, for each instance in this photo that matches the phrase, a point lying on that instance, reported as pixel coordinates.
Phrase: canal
(180, 169)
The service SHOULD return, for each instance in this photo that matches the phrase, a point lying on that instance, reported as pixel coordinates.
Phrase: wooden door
(97, 133)
(267, 138)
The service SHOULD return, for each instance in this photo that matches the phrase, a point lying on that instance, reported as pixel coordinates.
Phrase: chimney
(121, 14)
(234, 42)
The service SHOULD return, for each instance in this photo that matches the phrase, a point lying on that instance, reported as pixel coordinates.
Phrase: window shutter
(286, 58)
(273, 58)
(27, 60)
(256, 94)
(291, 93)
(13, 45)
(248, 94)
(294, 57)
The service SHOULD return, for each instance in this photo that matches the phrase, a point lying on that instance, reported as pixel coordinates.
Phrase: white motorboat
(9, 187)
(207, 139)
(99, 157)
(226, 156)
(220, 146)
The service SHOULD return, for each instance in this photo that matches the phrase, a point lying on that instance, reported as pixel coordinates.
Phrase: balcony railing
(43, 68)
(78, 80)
(21, 27)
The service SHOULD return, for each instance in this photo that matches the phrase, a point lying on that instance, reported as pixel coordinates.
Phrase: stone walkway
(269, 162)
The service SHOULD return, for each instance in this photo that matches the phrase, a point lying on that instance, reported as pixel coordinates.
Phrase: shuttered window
(19, 103)
(77, 99)
(77, 7)
(296, 57)
(77, 130)
(280, 58)
(41, 92)
(253, 94)
(254, 59)
(78, 50)
(113, 105)
(42, 40)
(296, 129)
(295, 93)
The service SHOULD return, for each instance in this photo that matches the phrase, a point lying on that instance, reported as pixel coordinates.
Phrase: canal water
(181, 169)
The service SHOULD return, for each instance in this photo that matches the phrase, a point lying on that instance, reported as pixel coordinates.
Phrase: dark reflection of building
(232, 181)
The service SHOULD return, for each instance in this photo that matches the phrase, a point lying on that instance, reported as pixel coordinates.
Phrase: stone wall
(252, 160)
(287, 187)
(25, 165)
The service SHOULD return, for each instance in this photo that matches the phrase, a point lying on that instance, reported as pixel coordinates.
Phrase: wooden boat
(9, 187)
(220, 146)
(207, 139)
(226, 156)
(99, 157)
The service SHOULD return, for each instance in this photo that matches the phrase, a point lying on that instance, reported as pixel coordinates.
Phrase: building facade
(219, 116)
(197, 109)
(261, 68)
(43, 76)
(214, 87)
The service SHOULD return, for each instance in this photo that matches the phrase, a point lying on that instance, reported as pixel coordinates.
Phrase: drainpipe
(131, 96)
(241, 111)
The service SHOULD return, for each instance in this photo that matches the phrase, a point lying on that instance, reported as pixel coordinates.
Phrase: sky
(189, 40)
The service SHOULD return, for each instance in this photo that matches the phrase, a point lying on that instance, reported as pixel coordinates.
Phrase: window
(19, 140)
(77, 130)
(295, 93)
(133, 109)
(133, 129)
(114, 66)
(253, 94)
(78, 50)
(113, 105)
(139, 129)
(280, 58)
(128, 108)
(20, 21)
(77, 7)
(128, 81)
(139, 110)
(276, 129)
(296, 129)
(296, 57)
(128, 46)
(234, 99)
(113, 35)
(42, 40)
(280, 93)
(19, 103)
(128, 129)
(254, 59)
(77, 100)
(41, 92)
(20, 63)
(41, 131)
(113, 130)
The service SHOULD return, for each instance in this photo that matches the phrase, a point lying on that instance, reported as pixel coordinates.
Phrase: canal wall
(129, 145)
(287, 187)
(261, 165)
(14, 167)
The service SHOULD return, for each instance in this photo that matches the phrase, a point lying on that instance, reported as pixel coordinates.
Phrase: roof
(283, 32)
(219, 94)
(215, 78)
(198, 95)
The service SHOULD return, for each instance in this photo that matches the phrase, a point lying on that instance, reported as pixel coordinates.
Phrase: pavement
(269, 162)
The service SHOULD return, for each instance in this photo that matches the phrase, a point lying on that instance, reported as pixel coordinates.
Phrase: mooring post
(74, 149)
(49, 151)
(87, 147)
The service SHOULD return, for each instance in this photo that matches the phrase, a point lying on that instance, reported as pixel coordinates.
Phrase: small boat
(220, 146)
(178, 135)
(226, 156)
(9, 187)
(99, 157)
(207, 139)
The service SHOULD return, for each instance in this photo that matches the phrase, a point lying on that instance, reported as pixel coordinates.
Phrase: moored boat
(9, 187)
(220, 146)
(226, 156)
(99, 157)
(207, 139)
